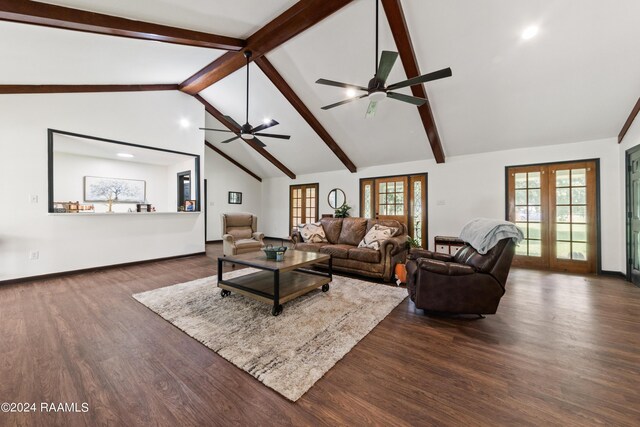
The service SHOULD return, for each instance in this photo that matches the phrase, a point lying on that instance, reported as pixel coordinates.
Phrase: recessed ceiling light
(185, 123)
(266, 120)
(351, 93)
(530, 32)
(125, 155)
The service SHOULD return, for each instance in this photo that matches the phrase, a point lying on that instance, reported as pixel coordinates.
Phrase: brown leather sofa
(344, 234)
(464, 283)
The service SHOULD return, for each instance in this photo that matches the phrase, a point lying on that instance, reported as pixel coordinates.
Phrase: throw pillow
(376, 235)
(312, 233)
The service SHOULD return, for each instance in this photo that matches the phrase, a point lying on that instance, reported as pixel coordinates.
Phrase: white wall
(70, 170)
(223, 176)
(631, 139)
(465, 187)
(71, 242)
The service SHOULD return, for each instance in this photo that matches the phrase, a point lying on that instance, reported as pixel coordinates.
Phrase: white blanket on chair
(484, 233)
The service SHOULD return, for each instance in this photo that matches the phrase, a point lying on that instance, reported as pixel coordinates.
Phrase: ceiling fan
(376, 89)
(246, 130)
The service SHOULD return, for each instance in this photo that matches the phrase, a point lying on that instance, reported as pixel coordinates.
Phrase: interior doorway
(633, 214)
(556, 207)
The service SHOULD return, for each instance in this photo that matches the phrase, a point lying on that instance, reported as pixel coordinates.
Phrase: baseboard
(213, 241)
(613, 273)
(92, 269)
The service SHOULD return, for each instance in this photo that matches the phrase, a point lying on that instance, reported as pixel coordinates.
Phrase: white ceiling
(577, 80)
(232, 18)
(105, 150)
(41, 55)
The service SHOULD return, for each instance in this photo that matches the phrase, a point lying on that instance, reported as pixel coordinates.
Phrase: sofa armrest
(296, 237)
(227, 238)
(416, 253)
(446, 268)
(394, 245)
(258, 235)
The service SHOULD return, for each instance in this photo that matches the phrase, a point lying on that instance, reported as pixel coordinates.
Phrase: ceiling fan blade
(273, 135)
(406, 98)
(230, 139)
(217, 130)
(339, 84)
(232, 121)
(440, 74)
(337, 104)
(260, 143)
(264, 126)
(387, 60)
(371, 109)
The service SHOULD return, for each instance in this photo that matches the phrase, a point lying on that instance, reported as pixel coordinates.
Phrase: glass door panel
(527, 204)
(573, 220)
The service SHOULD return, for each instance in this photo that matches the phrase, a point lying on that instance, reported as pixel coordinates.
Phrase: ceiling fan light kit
(246, 131)
(376, 90)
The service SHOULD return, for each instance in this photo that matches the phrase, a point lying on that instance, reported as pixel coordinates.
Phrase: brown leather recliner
(464, 283)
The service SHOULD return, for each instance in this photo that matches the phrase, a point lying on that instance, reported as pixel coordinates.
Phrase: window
(303, 204)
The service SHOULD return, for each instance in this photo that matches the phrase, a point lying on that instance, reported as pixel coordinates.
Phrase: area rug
(289, 352)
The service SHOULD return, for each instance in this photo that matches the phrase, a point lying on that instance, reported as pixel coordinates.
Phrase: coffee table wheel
(276, 310)
(325, 287)
(225, 293)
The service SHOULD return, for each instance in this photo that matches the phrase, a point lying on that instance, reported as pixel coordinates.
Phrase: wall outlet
(210, 203)
(441, 202)
(33, 198)
(34, 255)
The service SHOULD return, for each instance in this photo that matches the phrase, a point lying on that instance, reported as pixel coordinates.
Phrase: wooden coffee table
(278, 281)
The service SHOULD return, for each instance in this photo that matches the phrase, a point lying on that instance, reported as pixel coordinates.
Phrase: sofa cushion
(240, 232)
(364, 254)
(332, 228)
(353, 231)
(312, 233)
(309, 247)
(337, 251)
(377, 235)
(248, 243)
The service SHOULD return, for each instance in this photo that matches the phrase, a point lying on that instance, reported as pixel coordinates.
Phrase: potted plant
(342, 211)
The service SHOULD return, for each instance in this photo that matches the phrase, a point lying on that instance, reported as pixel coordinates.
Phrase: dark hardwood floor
(562, 350)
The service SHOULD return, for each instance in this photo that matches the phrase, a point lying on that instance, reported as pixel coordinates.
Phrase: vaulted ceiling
(576, 80)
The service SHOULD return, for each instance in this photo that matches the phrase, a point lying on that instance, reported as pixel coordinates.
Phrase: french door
(555, 206)
(402, 198)
(303, 204)
(633, 215)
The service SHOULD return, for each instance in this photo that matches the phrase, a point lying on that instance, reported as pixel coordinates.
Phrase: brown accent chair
(344, 234)
(239, 234)
(464, 283)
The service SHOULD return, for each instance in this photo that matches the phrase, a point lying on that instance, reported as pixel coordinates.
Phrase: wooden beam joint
(232, 160)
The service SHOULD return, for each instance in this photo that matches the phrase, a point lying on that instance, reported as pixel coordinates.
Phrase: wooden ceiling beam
(230, 159)
(299, 17)
(222, 119)
(269, 70)
(400, 31)
(48, 15)
(630, 119)
(24, 89)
